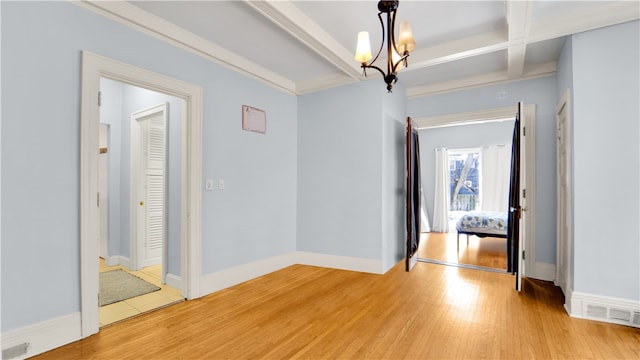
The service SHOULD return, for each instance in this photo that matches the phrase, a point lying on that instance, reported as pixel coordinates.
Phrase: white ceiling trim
(467, 118)
(605, 15)
(143, 21)
(288, 17)
(521, 31)
(500, 77)
(323, 83)
(518, 18)
(456, 50)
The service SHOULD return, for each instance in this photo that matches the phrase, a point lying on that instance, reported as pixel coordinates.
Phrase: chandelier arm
(382, 44)
(391, 41)
(403, 59)
(364, 66)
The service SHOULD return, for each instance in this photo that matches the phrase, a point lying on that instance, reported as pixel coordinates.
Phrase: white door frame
(532, 268)
(136, 247)
(93, 68)
(564, 200)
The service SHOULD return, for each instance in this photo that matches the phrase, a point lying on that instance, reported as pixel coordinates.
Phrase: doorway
(139, 245)
(432, 140)
(94, 68)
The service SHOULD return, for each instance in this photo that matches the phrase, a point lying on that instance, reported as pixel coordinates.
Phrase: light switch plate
(220, 184)
(208, 185)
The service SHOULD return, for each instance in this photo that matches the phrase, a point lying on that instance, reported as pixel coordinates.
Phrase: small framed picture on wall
(254, 119)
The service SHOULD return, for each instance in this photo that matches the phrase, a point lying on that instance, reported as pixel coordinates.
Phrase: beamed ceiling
(306, 46)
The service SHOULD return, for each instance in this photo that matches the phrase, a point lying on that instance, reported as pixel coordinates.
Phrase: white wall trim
(45, 335)
(603, 308)
(223, 279)
(118, 260)
(373, 266)
(175, 281)
(541, 271)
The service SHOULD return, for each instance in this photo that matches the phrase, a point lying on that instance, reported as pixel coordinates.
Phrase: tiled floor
(167, 295)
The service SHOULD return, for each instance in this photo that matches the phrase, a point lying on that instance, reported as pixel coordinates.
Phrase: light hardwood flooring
(432, 312)
(125, 309)
(488, 252)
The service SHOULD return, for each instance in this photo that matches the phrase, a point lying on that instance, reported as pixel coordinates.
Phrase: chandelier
(397, 52)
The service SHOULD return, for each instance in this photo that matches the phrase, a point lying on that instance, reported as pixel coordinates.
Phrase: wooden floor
(488, 252)
(433, 312)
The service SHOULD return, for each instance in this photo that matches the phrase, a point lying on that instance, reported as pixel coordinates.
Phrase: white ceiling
(306, 46)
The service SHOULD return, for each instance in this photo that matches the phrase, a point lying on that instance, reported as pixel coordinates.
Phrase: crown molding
(500, 77)
(323, 83)
(143, 21)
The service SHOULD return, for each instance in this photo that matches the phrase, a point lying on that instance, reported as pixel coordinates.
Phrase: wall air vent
(619, 314)
(596, 311)
(636, 319)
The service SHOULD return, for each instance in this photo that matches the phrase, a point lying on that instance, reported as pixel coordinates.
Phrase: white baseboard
(603, 308)
(118, 260)
(223, 279)
(174, 281)
(41, 337)
(542, 271)
(340, 262)
(226, 278)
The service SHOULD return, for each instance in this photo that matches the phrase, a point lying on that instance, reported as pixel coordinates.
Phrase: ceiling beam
(500, 77)
(518, 19)
(292, 20)
(457, 50)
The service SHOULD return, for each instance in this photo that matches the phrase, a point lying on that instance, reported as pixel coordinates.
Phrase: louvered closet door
(154, 162)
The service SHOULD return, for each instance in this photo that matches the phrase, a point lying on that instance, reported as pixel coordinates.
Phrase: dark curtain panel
(413, 192)
(514, 201)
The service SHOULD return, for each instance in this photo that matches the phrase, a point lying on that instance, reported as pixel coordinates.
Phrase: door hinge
(522, 254)
(99, 98)
(524, 193)
(524, 131)
(98, 199)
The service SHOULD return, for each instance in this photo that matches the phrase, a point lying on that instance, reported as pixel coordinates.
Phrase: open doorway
(139, 182)
(470, 130)
(476, 183)
(94, 68)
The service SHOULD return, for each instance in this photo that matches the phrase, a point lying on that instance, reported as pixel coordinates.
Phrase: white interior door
(563, 227)
(103, 186)
(150, 221)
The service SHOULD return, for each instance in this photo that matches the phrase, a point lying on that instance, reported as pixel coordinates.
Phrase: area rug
(118, 285)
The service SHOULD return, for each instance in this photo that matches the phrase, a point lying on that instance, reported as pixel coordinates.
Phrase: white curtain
(441, 200)
(424, 220)
(495, 162)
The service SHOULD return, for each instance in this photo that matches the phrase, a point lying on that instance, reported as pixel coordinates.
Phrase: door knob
(141, 203)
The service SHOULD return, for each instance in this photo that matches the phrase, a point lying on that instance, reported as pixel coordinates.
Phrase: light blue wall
(456, 137)
(606, 130)
(350, 172)
(253, 218)
(340, 171)
(119, 101)
(394, 241)
(542, 93)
